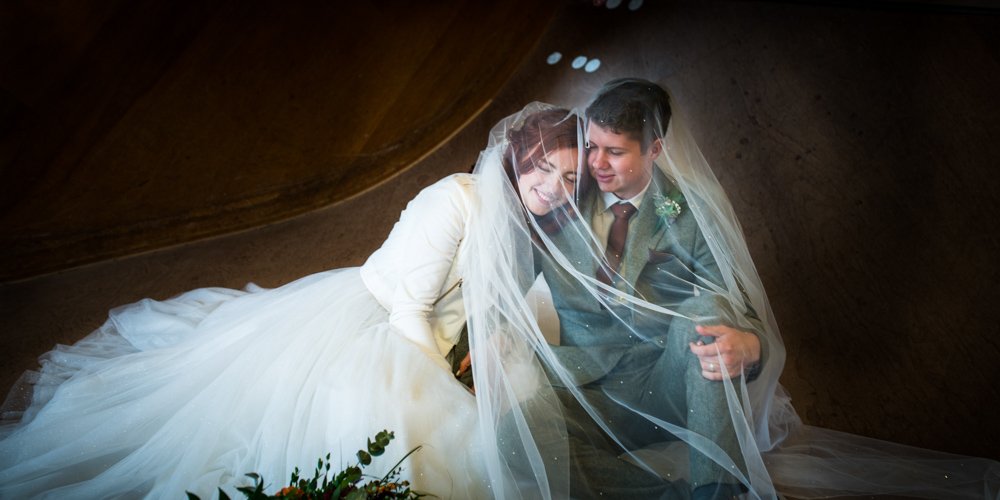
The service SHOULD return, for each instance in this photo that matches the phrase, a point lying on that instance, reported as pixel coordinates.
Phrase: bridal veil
(536, 397)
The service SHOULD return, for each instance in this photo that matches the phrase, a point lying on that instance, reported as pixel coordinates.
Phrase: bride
(191, 393)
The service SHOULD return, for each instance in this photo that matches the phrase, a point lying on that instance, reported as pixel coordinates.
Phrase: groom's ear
(655, 148)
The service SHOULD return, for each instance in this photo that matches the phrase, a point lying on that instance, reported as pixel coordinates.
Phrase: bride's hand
(735, 349)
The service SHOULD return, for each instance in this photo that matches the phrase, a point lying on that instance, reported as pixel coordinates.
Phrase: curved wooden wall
(133, 125)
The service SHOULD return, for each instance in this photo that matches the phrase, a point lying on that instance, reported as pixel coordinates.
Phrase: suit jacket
(661, 262)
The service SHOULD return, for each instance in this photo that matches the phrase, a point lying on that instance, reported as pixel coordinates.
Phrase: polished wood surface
(136, 125)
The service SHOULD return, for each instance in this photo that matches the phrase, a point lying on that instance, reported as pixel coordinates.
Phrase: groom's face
(617, 161)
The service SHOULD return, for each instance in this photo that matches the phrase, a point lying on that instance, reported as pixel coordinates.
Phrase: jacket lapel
(646, 232)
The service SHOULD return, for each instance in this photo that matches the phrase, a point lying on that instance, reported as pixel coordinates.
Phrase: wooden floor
(858, 145)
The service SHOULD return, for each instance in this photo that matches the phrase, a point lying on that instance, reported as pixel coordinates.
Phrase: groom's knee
(705, 309)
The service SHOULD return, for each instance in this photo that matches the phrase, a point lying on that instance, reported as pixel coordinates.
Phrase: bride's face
(550, 182)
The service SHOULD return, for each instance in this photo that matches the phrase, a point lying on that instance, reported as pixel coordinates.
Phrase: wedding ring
(711, 367)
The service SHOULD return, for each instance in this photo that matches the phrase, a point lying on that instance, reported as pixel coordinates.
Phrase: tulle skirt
(191, 393)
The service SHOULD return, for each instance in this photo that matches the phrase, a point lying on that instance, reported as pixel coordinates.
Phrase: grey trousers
(662, 378)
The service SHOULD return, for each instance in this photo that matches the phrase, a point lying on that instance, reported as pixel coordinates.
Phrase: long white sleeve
(408, 273)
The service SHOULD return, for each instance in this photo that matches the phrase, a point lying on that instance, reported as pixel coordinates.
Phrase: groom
(654, 250)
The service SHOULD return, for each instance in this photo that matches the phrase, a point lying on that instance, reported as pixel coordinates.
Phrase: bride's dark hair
(543, 132)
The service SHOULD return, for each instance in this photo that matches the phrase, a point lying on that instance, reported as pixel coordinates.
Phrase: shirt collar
(611, 198)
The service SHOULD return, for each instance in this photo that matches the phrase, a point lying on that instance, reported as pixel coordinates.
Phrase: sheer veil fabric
(589, 390)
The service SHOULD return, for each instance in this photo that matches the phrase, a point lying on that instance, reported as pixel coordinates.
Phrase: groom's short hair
(632, 106)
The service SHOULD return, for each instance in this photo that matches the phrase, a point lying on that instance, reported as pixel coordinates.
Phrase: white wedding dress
(191, 393)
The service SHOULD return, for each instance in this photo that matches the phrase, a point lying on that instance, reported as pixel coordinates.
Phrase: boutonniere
(668, 208)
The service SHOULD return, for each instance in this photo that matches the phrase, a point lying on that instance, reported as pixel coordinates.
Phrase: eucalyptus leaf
(344, 485)
(353, 474)
(357, 495)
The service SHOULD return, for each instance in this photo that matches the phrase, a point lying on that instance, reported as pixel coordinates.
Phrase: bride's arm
(420, 250)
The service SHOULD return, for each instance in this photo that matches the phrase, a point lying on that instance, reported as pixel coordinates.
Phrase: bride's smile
(549, 183)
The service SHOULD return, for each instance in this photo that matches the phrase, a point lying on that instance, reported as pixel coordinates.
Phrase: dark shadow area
(130, 126)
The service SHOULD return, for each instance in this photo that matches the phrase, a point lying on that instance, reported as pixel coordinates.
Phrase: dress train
(191, 393)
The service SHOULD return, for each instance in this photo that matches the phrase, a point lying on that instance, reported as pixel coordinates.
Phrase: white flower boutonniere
(668, 208)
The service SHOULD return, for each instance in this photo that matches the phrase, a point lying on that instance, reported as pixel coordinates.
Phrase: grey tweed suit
(609, 355)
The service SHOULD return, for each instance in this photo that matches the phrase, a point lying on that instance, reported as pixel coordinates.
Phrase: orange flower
(290, 492)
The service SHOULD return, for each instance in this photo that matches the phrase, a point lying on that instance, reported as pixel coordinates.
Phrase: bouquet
(346, 484)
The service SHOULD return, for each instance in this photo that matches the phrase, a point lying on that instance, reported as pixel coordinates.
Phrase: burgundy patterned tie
(616, 240)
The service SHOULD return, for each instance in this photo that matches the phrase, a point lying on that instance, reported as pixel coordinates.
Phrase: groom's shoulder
(588, 201)
(662, 183)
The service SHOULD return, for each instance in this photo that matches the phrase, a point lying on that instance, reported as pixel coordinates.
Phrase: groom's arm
(740, 345)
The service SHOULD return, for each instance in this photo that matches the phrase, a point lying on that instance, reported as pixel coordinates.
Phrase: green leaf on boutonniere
(668, 208)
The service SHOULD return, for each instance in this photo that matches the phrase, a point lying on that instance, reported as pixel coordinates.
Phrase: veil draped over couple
(592, 273)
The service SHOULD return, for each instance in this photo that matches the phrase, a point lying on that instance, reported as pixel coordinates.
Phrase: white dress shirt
(603, 217)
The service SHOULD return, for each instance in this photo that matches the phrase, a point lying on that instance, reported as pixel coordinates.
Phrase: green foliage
(346, 484)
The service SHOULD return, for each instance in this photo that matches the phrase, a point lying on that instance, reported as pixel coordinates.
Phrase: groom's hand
(463, 367)
(734, 349)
